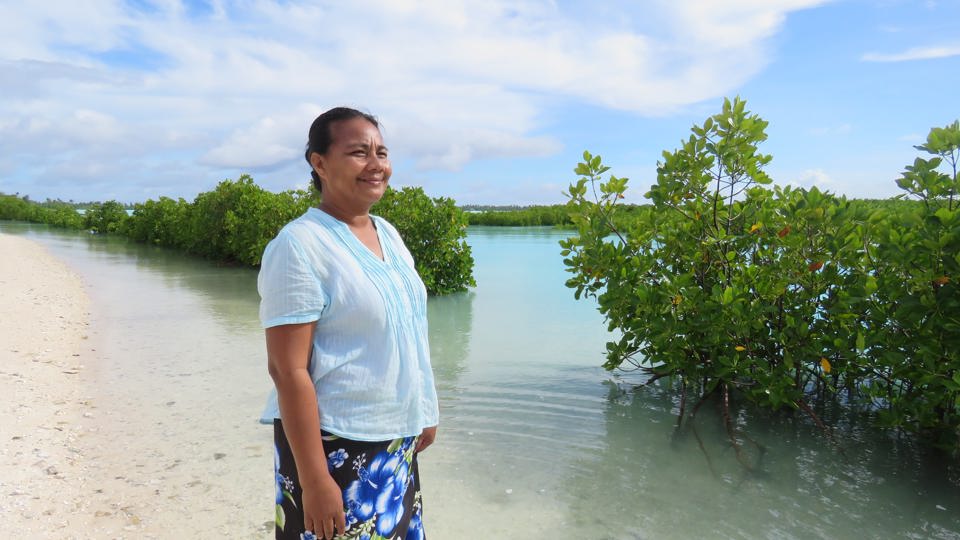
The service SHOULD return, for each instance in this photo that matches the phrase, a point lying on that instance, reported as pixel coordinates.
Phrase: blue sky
(487, 102)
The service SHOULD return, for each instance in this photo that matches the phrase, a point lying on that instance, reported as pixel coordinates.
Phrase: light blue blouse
(370, 362)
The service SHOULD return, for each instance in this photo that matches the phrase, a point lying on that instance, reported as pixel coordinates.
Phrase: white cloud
(266, 143)
(453, 81)
(916, 53)
(47, 30)
(92, 127)
(464, 145)
(735, 23)
(814, 178)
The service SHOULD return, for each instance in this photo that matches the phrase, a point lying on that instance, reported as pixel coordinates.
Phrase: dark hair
(320, 137)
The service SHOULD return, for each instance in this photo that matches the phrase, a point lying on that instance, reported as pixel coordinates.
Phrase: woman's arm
(288, 356)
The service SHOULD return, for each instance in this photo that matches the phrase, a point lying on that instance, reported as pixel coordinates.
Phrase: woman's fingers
(333, 525)
(323, 507)
(341, 521)
(426, 438)
(328, 529)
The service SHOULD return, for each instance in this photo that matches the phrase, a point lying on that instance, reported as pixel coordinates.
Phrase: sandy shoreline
(80, 456)
(44, 320)
(85, 454)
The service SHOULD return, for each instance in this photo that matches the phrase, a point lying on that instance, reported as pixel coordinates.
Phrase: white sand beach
(76, 460)
(45, 490)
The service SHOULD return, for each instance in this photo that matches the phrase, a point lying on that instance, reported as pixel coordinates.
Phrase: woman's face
(355, 169)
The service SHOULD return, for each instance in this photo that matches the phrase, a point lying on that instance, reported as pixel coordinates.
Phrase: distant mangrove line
(234, 222)
(556, 215)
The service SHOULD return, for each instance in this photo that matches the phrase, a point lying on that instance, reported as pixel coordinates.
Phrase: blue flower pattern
(380, 488)
(284, 487)
(415, 531)
(337, 459)
(375, 501)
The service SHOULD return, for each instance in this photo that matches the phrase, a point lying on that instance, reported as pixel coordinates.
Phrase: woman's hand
(426, 438)
(323, 507)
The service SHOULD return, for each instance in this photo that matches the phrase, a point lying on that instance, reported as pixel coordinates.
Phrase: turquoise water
(536, 440)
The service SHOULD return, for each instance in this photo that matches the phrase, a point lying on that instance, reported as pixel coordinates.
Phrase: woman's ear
(316, 161)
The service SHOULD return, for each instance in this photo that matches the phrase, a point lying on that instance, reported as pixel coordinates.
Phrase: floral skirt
(380, 482)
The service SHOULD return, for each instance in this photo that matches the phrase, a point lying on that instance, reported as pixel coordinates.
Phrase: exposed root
(683, 401)
(731, 432)
(823, 427)
(654, 376)
(697, 435)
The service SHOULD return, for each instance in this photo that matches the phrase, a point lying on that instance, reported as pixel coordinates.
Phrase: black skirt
(380, 482)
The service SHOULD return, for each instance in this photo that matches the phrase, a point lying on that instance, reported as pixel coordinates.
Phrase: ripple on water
(528, 418)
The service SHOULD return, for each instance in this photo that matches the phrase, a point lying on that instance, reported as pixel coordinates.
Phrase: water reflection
(649, 480)
(451, 321)
(228, 292)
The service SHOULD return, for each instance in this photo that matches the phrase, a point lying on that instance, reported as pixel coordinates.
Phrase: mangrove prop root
(693, 426)
(683, 402)
(731, 432)
(654, 377)
(823, 427)
(761, 449)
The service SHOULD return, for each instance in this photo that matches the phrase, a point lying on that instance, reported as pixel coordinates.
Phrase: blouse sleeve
(290, 289)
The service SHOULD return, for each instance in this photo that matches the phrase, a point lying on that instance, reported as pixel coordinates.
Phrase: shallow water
(536, 440)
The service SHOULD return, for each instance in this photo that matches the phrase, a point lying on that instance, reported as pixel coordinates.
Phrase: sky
(485, 101)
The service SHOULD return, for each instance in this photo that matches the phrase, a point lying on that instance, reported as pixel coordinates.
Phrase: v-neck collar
(359, 249)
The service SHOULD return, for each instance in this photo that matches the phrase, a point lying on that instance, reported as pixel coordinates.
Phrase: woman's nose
(375, 162)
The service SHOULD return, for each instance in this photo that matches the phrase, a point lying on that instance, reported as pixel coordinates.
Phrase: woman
(346, 331)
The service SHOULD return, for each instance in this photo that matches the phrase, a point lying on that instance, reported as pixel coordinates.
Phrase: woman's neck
(351, 216)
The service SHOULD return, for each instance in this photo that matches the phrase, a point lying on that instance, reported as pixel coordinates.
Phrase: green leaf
(395, 445)
(945, 216)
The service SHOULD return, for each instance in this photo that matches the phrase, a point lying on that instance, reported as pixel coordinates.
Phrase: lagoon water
(536, 440)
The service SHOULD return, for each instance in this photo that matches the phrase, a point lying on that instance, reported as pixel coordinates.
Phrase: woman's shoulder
(305, 228)
(303, 235)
